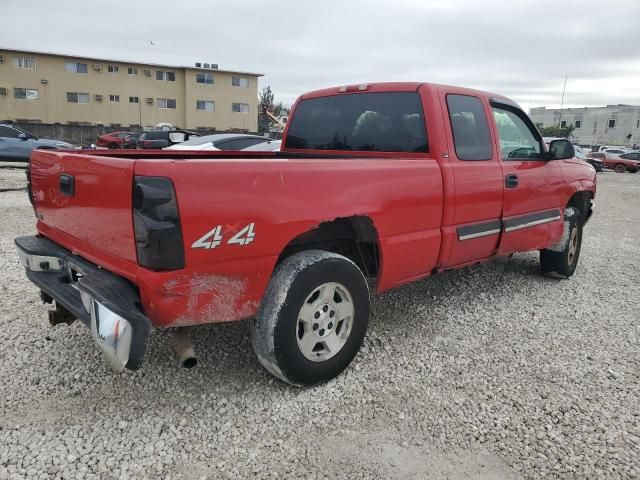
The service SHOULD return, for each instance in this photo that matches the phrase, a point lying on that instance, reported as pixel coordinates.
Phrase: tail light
(156, 224)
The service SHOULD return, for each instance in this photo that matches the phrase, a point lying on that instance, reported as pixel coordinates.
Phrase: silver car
(16, 145)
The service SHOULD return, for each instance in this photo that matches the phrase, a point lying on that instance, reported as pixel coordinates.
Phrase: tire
(619, 168)
(560, 260)
(112, 145)
(293, 343)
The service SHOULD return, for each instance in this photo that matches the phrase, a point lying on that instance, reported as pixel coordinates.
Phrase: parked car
(268, 146)
(112, 140)
(164, 138)
(631, 157)
(17, 144)
(597, 163)
(131, 140)
(618, 162)
(361, 194)
(220, 141)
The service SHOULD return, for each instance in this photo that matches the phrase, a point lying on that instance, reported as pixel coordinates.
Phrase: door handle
(511, 181)
(67, 184)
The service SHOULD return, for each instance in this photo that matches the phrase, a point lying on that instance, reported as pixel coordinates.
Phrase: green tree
(265, 104)
(556, 131)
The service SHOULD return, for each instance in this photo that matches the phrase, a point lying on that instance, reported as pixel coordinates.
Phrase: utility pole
(562, 101)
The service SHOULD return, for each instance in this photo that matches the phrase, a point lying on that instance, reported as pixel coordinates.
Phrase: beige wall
(52, 105)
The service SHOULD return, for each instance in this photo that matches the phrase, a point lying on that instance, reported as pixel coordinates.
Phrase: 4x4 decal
(214, 237)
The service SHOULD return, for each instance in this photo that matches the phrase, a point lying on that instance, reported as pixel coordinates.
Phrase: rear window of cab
(369, 122)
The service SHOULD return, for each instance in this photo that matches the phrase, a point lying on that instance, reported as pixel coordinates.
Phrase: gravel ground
(488, 372)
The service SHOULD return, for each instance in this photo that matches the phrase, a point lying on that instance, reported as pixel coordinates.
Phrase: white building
(610, 125)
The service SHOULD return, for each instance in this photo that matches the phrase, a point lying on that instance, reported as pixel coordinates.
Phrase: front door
(532, 211)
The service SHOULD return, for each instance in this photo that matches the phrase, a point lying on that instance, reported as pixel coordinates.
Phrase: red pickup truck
(377, 185)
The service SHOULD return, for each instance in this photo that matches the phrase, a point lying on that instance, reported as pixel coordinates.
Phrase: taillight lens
(156, 224)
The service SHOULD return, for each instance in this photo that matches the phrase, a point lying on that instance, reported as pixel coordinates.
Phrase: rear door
(532, 210)
(473, 231)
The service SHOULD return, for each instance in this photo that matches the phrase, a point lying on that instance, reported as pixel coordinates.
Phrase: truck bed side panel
(283, 198)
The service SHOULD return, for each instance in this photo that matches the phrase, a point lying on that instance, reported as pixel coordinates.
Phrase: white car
(268, 146)
(604, 148)
(220, 141)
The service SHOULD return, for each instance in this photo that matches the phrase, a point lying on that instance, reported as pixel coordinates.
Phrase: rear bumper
(106, 303)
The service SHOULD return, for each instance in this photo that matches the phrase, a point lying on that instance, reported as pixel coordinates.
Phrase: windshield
(382, 122)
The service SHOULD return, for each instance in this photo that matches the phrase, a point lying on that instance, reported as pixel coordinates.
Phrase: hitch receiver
(60, 315)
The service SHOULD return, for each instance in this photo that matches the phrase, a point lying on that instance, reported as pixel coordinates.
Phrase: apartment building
(610, 125)
(54, 88)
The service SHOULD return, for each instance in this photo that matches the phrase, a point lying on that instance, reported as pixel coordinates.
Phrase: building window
(240, 107)
(132, 71)
(75, 67)
(24, 62)
(114, 98)
(76, 97)
(26, 93)
(134, 100)
(204, 78)
(239, 81)
(166, 103)
(563, 124)
(612, 123)
(167, 76)
(638, 124)
(112, 68)
(578, 123)
(206, 105)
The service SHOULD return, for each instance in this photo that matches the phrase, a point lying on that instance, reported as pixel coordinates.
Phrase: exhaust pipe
(183, 347)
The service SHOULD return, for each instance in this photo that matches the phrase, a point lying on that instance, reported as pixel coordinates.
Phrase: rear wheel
(313, 318)
(112, 145)
(560, 260)
(619, 168)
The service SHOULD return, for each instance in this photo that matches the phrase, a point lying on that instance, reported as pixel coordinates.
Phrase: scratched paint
(209, 298)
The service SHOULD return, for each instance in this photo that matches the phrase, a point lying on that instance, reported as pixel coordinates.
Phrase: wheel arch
(581, 199)
(354, 237)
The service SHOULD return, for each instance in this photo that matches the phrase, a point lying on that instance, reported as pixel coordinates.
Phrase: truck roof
(395, 87)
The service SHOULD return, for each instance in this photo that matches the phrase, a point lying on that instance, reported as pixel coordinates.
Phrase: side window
(517, 139)
(246, 142)
(8, 132)
(228, 145)
(470, 128)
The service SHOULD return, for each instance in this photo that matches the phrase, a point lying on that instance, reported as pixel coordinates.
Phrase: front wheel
(313, 317)
(560, 260)
(619, 168)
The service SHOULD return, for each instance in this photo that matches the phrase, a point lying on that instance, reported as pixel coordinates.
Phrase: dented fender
(231, 291)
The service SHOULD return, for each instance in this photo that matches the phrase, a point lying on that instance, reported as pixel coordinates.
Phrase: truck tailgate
(84, 202)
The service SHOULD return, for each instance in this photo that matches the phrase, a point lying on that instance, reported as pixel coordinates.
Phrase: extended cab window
(380, 122)
(517, 137)
(470, 128)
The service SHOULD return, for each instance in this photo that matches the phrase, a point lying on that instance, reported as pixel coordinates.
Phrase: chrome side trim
(532, 223)
(477, 230)
(486, 233)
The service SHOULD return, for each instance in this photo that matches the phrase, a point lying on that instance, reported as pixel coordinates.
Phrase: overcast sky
(522, 49)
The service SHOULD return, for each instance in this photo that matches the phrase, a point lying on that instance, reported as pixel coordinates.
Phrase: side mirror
(560, 150)
(23, 136)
